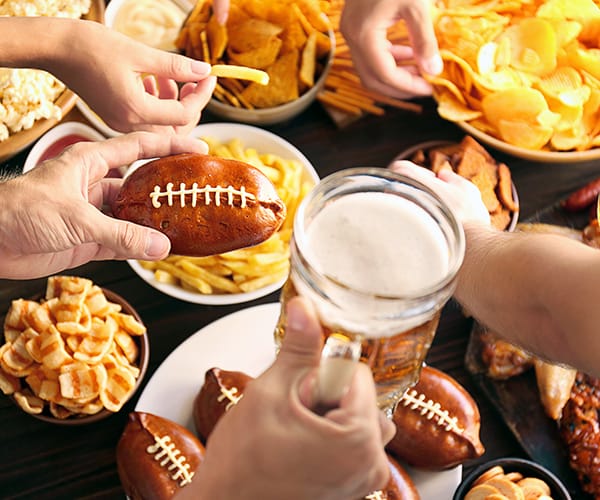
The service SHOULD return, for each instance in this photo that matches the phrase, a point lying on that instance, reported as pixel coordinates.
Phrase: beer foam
(378, 243)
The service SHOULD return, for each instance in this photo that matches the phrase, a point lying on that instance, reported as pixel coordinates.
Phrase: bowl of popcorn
(527, 82)
(290, 43)
(73, 355)
(32, 101)
(511, 478)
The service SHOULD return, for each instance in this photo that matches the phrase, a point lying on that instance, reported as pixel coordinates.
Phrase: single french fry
(240, 72)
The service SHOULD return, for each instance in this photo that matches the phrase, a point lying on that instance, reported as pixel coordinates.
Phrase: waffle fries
(72, 353)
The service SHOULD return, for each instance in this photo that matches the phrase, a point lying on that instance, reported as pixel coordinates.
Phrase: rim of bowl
(558, 490)
(143, 360)
(408, 152)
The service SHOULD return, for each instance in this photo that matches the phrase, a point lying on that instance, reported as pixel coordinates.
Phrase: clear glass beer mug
(377, 253)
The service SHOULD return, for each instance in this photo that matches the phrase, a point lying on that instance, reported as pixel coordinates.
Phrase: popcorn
(54, 8)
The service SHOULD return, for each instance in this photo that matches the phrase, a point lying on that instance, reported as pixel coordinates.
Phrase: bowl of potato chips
(522, 77)
(292, 42)
(249, 273)
(74, 354)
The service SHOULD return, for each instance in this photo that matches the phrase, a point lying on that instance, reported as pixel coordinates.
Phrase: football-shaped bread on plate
(156, 457)
(437, 423)
(399, 487)
(222, 389)
(206, 205)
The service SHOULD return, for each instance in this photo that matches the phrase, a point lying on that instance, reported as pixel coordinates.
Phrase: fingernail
(200, 67)
(156, 245)
(434, 65)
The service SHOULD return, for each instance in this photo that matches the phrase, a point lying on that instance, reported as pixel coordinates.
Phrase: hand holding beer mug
(377, 253)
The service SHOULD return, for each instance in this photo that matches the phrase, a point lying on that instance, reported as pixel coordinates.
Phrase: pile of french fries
(247, 269)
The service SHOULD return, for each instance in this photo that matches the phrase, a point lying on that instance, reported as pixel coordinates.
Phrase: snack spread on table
(72, 353)
(525, 72)
(205, 204)
(288, 40)
(472, 161)
(250, 268)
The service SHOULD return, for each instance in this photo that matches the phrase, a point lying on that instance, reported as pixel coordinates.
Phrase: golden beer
(377, 254)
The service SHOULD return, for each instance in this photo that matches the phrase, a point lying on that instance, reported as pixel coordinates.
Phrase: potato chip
(216, 35)
(283, 84)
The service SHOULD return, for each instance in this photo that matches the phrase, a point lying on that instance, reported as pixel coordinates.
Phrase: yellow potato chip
(216, 35)
(523, 134)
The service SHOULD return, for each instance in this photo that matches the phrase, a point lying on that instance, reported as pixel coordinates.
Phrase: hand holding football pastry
(206, 205)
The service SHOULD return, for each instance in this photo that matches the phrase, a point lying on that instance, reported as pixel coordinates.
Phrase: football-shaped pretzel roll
(437, 423)
(222, 389)
(156, 457)
(206, 205)
(399, 487)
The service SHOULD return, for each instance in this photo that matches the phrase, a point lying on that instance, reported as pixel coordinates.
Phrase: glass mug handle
(338, 361)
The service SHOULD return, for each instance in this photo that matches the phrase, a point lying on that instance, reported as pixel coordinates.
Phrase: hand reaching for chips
(288, 40)
(526, 72)
(72, 353)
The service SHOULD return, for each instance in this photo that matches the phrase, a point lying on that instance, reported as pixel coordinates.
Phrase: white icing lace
(208, 193)
(231, 395)
(431, 410)
(170, 457)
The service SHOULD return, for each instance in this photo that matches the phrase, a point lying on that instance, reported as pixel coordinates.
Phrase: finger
(123, 239)
(167, 88)
(150, 85)
(361, 398)
(388, 428)
(99, 157)
(221, 10)
(422, 36)
(410, 169)
(180, 68)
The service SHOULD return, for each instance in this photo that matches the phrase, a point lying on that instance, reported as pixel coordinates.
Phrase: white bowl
(252, 137)
(63, 132)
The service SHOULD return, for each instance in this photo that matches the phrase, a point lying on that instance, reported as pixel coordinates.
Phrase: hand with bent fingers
(393, 70)
(288, 451)
(461, 195)
(51, 218)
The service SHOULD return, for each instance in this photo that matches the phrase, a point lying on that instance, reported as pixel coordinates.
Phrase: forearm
(537, 290)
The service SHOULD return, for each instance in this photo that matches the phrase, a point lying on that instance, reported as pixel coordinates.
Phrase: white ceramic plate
(264, 142)
(242, 341)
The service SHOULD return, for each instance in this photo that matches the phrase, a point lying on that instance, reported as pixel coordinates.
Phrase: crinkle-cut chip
(451, 109)
(82, 325)
(251, 33)
(117, 358)
(16, 317)
(33, 346)
(502, 79)
(560, 80)
(28, 402)
(9, 384)
(576, 97)
(69, 307)
(49, 390)
(583, 59)
(89, 408)
(83, 383)
(129, 324)
(59, 411)
(57, 285)
(282, 87)
(516, 104)
(53, 349)
(591, 112)
(15, 357)
(568, 9)
(96, 302)
(40, 318)
(570, 139)
(524, 135)
(441, 81)
(72, 342)
(94, 346)
(127, 345)
(11, 334)
(119, 385)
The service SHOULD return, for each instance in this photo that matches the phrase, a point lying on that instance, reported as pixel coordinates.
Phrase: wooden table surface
(41, 460)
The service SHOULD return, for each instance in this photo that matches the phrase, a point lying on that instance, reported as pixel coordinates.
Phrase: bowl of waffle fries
(249, 273)
(74, 354)
(292, 43)
(523, 77)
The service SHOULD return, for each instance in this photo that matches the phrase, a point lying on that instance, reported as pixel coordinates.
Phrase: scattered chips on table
(289, 40)
(73, 352)
(246, 269)
(524, 71)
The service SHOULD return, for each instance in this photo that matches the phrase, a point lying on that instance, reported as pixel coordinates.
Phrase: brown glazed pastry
(156, 457)
(221, 390)
(399, 487)
(206, 205)
(437, 423)
(579, 426)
